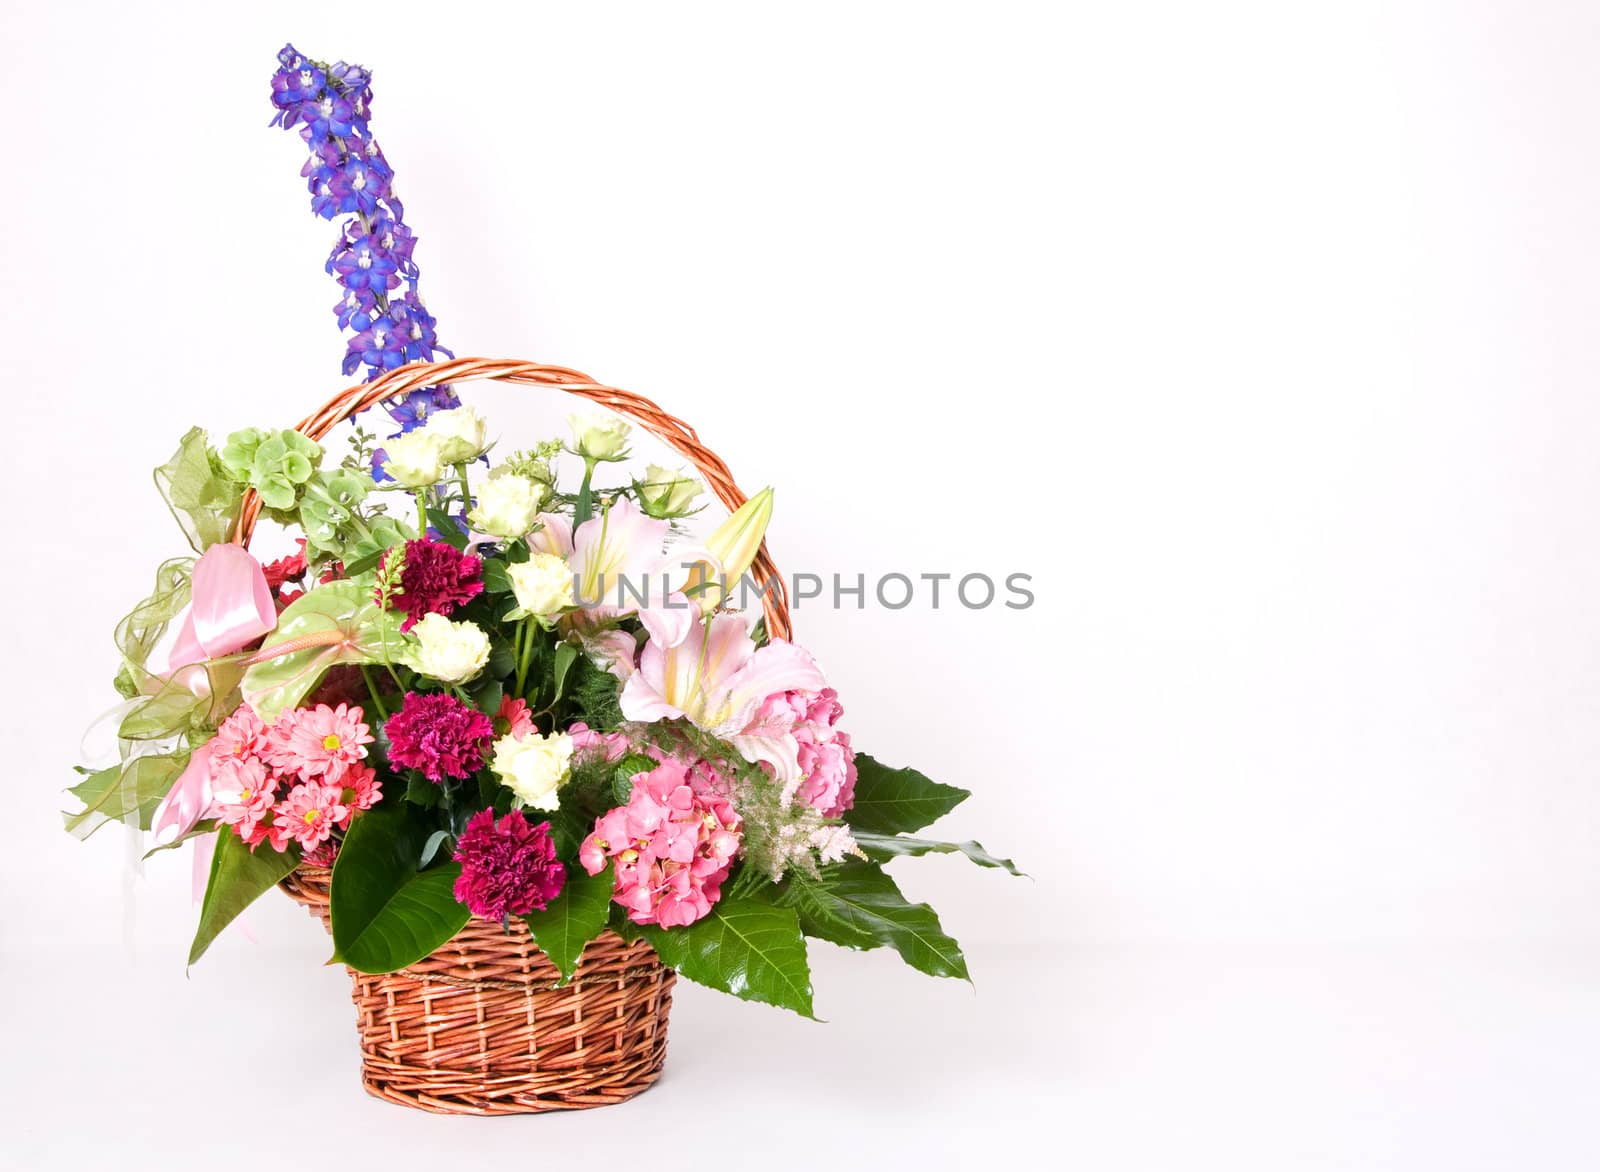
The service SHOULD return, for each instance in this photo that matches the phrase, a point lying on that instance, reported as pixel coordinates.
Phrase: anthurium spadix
(731, 549)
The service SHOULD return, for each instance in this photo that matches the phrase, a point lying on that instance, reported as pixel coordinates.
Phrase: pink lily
(717, 678)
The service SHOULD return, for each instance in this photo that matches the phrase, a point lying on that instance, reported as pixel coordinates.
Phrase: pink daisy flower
(244, 793)
(318, 742)
(308, 815)
(513, 719)
(241, 735)
(362, 789)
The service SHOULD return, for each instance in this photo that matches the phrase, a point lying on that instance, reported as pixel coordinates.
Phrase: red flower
(437, 578)
(289, 569)
(507, 868)
(439, 735)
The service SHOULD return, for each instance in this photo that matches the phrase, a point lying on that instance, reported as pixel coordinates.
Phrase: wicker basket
(481, 1026)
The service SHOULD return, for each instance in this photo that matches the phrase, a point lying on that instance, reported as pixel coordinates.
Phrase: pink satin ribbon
(230, 605)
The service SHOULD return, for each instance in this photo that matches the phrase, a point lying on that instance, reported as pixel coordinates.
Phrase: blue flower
(356, 309)
(380, 346)
(364, 263)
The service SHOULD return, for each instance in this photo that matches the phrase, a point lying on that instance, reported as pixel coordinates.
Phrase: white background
(1260, 335)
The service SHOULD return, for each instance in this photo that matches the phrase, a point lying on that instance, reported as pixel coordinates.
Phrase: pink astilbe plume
(672, 844)
(508, 868)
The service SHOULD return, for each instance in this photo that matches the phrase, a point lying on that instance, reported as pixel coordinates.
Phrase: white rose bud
(599, 437)
(449, 652)
(508, 504)
(542, 584)
(533, 767)
(664, 494)
(461, 433)
(413, 459)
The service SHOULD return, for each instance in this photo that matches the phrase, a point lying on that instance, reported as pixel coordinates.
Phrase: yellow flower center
(330, 742)
(312, 815)
(244, 795)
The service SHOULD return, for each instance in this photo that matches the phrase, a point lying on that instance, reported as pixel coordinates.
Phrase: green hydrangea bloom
(330, 505)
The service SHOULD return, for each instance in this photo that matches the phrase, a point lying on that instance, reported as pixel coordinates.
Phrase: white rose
(599, 437)
(533, 766)
(413, 459)
(508, 504)
(542, 584)
(461, 433)
(667, 494)
(449, 652)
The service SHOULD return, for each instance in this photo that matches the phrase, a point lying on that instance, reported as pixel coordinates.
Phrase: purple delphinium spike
(347, 175)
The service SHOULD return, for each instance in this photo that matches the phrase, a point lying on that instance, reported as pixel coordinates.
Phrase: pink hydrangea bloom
(672, 845)
(308, 815)
(827, 763)
(512, 718)
(317, 742)
(508, 868)
(612, 746)
(244, 793)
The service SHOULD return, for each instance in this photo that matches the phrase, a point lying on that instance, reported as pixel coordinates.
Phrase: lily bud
(733, 546)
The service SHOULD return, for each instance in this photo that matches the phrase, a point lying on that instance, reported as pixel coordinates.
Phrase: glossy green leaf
(334, 623)
(883, 847)
(238, 876)
(895, 801)
(496, 579)
(857, 905)
(444, 525)
(747, 947)
(385, 913)
(573, 918)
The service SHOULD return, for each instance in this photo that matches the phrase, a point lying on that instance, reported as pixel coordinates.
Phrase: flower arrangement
(540, 697)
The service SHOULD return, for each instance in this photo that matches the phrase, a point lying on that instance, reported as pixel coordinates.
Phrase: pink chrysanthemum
(513, 719)
(362, 789)
(308, 815)
(244, 793)
(508, 868)
(827, 762)
(241, 735)
(437, 578)
(672, 844)
(439, 735)
(317, 742)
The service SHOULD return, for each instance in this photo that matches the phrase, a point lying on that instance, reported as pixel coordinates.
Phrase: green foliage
(238, 876)
(385, 913)
(202, 496)
(594, 695)
(124, 792)
(858, 906)
(882, 847)
(330, 509)
(896, 801)
(750, 948)
(337, 622)
(573, 918)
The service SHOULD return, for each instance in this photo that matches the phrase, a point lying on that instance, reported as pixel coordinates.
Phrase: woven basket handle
(669, 429)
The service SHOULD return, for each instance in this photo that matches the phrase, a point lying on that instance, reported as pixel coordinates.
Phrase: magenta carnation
(437, 578)
(439, 735)
(673, 844)
(508, 868)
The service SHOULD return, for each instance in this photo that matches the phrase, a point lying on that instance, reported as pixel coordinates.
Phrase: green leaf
(135, 787)
(857, 905)
(431, 847)
(421, 791)
(334, 623)
(238, 876)
(447, 529)
(566, 655)
(386, 914)
(883, 847)
(747, 947)
(573, 918)
(894, 801)
(496, 579)
(626, 770)
(486, 696)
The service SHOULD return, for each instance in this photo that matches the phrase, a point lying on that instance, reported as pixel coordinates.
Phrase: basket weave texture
(481, 1028)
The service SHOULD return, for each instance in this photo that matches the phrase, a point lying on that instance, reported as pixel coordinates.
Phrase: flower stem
(524, 653)
(372, 690)
(466, 491)
(422, 514)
